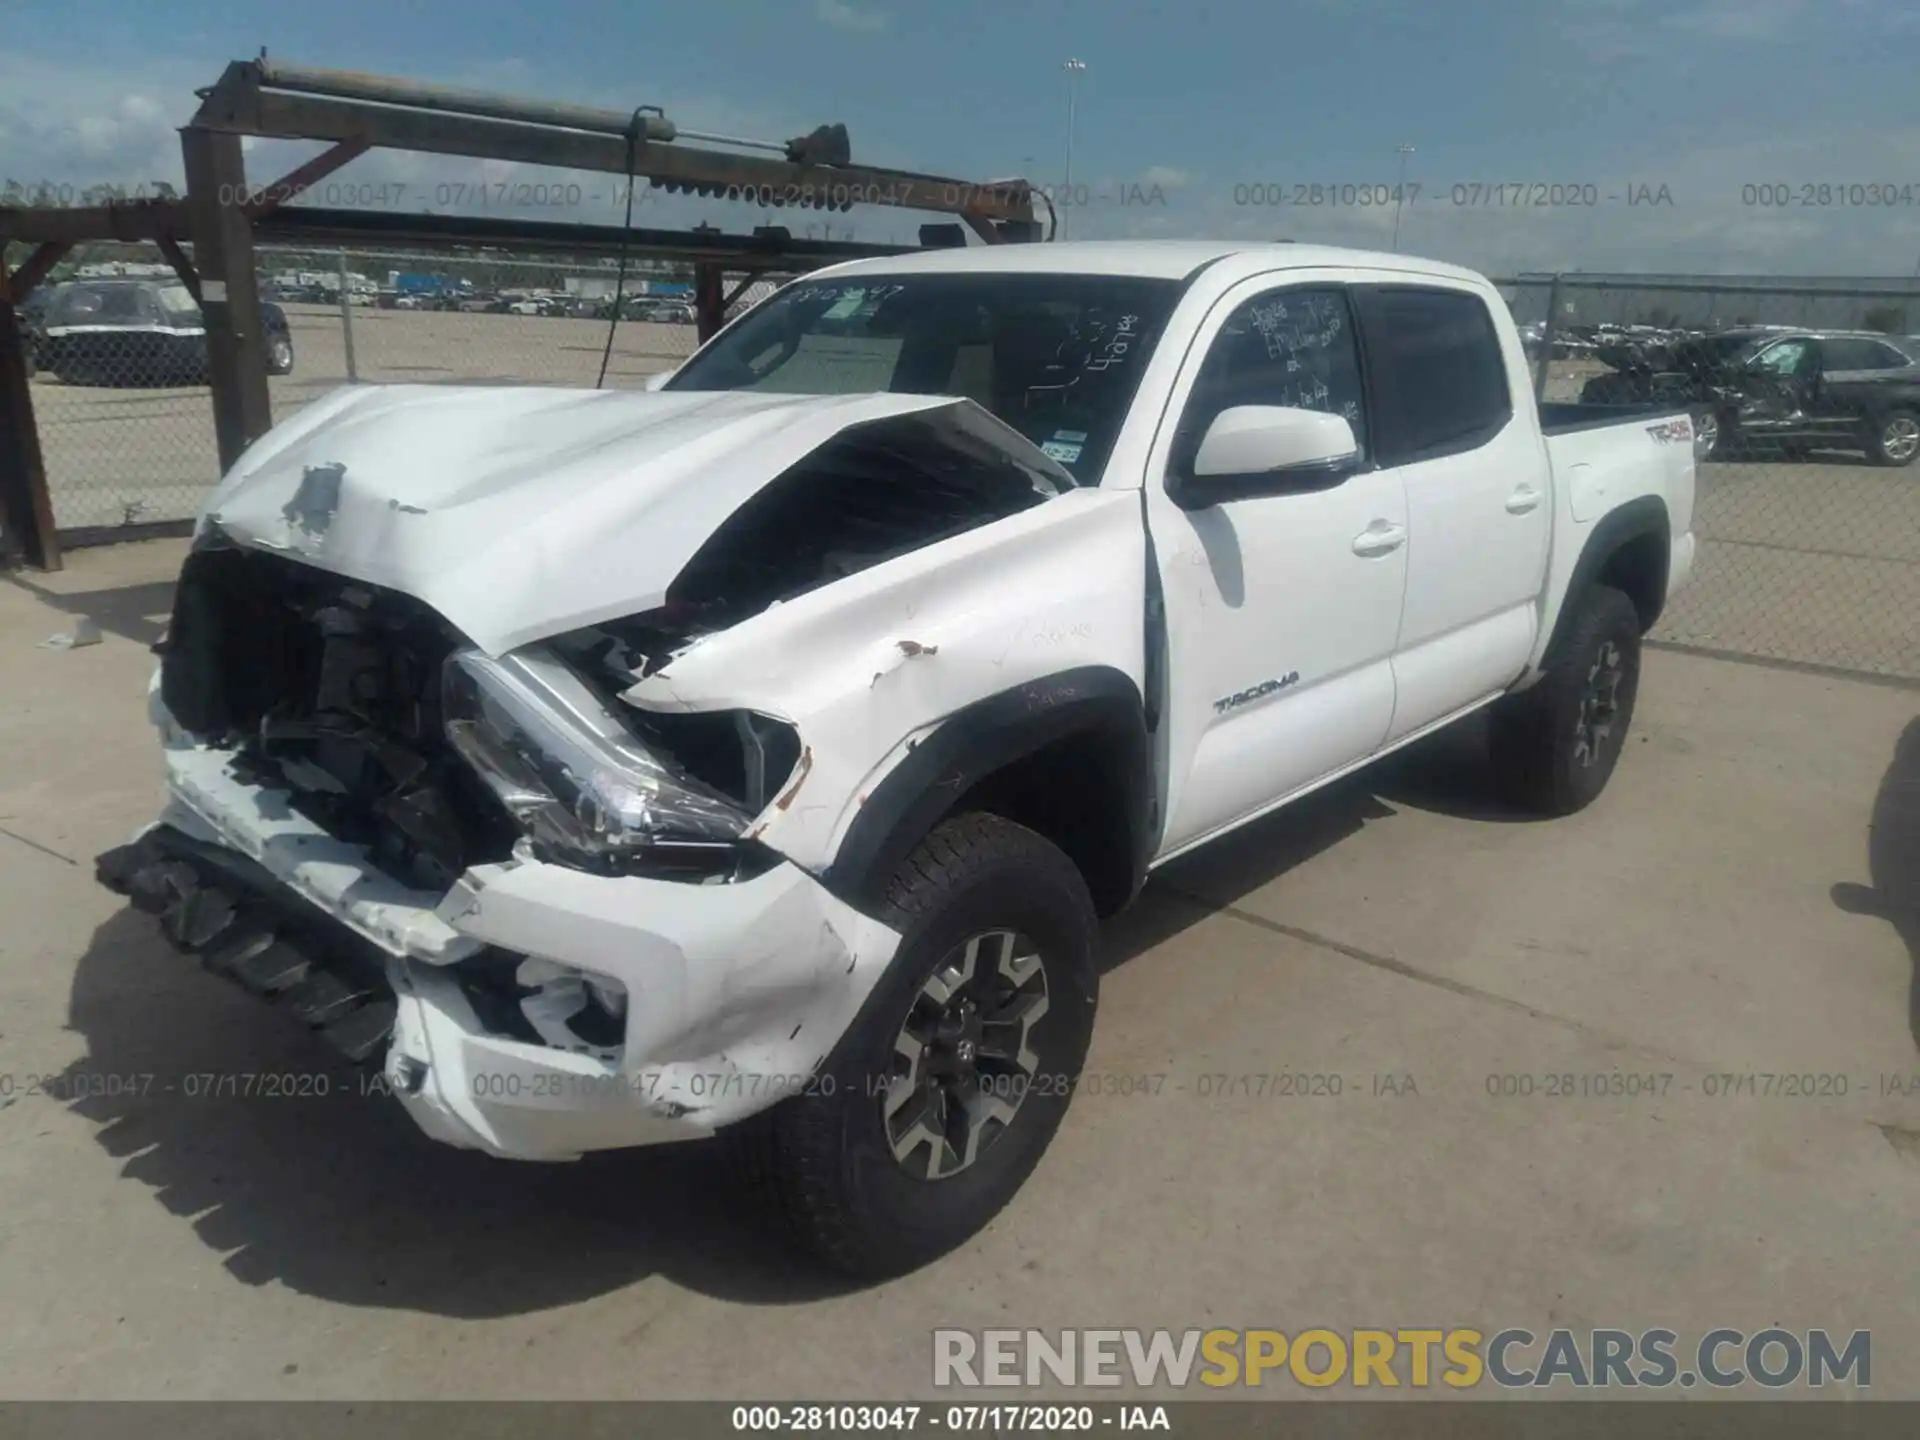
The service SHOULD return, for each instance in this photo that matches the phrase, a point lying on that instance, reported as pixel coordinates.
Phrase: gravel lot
(1816, 561)
(1732, 905)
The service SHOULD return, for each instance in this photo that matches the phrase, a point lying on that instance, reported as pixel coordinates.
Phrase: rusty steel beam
(385, 90)
(183, 267)
(243, 103)
(313, 225)
(26, 508)
(29, 275)
(229, 291)
(129, 220)
(983, 228)
(709, 300)
(270, 197)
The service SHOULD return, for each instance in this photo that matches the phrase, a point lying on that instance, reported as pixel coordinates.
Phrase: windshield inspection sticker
(1066, 452)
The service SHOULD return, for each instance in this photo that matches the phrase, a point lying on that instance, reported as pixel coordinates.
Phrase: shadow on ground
(136, 612)
(336, 1195)
(1893, 860)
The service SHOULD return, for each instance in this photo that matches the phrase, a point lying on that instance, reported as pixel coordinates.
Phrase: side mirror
(658, 381)
(1258, 450)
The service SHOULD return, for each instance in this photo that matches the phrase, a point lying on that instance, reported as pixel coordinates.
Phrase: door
(1281, 610)
(1478, 503)
(1858, 377)
(1780, 389)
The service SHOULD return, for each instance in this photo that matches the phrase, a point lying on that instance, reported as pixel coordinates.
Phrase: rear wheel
(949, 1085)
(1556, 743)
(1894, 438)
(279, 356)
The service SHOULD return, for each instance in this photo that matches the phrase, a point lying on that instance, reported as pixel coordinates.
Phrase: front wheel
(1706, 430)
(949, 1085)
(279, 356)
(1555, 744)
(1894, 438)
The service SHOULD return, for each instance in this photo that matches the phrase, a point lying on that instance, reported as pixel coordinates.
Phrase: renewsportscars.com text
(1459, 1358)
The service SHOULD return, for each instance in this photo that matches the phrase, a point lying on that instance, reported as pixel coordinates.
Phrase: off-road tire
(1535, 734)
(823, 1157)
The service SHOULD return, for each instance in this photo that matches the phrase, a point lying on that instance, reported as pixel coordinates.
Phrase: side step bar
(232, 915)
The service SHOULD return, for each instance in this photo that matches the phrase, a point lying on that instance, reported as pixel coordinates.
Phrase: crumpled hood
(519, 513)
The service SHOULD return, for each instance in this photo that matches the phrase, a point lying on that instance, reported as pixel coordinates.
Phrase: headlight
(577, 781)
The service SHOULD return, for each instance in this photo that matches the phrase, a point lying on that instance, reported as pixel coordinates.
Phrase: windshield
(178, 302)
(1720, 352)
(1057, 357)
(77, 304)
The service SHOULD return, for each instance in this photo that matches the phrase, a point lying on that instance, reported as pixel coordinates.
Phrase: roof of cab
(1158, 259)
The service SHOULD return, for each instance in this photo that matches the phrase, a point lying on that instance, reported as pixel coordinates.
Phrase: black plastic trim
(245, 926)
(1643, 515)
(974, 743)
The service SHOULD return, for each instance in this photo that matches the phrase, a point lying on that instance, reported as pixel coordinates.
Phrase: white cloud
(1165, 176)
(845, 16)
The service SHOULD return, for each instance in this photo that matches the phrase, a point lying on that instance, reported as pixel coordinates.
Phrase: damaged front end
(546, 902)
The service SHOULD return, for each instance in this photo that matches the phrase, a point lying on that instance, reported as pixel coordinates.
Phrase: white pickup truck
(758, 753)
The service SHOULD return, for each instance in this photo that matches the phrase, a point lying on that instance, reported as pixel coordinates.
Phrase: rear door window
(1439, 378)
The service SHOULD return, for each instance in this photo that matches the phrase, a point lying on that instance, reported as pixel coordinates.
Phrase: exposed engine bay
(330, 692)
(875, 492)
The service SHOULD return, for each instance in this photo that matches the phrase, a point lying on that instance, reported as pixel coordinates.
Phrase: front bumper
(735, 992)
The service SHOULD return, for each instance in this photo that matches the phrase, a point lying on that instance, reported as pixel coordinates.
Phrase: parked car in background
(668, 312)
(140, 332)
(1793, 390)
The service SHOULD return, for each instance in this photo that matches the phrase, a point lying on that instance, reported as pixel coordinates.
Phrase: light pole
(1073, 69)
(1399, 195)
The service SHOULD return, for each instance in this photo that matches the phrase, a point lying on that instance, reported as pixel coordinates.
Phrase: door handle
(1524, 499)
(1379, 538)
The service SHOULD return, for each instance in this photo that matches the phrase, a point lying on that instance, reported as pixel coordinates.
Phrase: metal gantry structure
(208, 236)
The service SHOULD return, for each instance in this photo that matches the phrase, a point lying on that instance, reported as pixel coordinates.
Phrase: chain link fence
(1808, 518)
(118, 365)
(118, 354)
(1808, 508)
(392, 318)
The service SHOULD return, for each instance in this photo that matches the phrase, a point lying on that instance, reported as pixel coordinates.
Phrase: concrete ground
(1733, 905)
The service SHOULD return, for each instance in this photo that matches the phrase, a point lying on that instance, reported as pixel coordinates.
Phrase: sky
(1534, 126)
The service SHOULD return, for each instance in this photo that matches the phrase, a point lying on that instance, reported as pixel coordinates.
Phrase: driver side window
(1788, 357)
(1286, 347)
